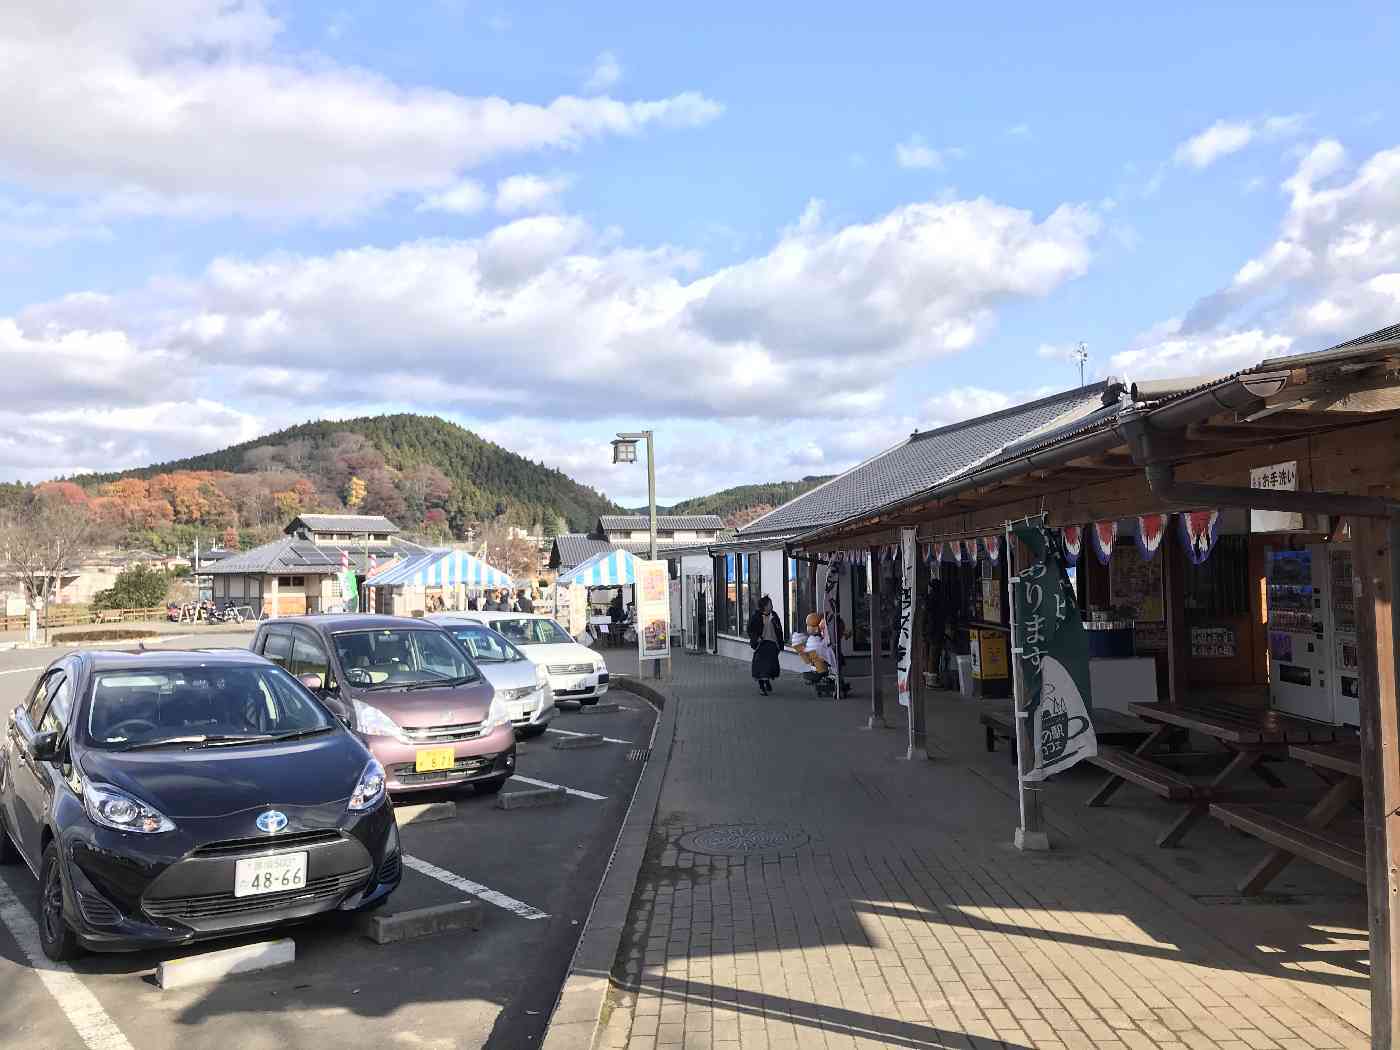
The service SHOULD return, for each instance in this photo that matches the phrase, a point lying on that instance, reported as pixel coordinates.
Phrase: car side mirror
(43, 747)
(337, 707)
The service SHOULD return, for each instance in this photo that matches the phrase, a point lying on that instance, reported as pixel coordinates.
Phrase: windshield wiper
(293, 734)
(215, 740)
(436, 682)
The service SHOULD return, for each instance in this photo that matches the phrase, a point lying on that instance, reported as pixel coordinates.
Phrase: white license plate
(280, 873)
(520, 708)
(580, 683)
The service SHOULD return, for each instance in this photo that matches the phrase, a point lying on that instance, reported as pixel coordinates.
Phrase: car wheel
(56, 937)
(492, 786)
(528, 732)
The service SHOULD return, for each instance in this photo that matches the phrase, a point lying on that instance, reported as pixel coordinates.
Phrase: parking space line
(476, 889)
(573, 791)
(565, 732)
(78, 1004)
(21, 670)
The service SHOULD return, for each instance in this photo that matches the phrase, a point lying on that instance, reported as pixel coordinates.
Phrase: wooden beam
(1174, 603)
(877, 694)
(1373, 559)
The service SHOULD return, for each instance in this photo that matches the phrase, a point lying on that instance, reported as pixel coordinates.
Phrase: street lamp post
(625, 451)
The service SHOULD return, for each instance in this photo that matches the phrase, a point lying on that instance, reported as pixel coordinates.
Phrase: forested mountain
(421, 471)
(743, 503)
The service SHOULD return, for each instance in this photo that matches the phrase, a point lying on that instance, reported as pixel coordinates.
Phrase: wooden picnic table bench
(1251, 734)
(1339, 763)
(1110, 727)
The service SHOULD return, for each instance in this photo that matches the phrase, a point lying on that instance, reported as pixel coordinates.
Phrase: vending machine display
(1300, 649)
(1346, 671)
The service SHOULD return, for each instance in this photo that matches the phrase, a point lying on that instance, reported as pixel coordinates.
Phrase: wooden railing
(71, 616)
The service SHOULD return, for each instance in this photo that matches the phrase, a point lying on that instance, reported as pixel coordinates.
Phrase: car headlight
(599, 667)
(370, 789)
(111, 808)
(371, 721)
(519, 693)
(497, 715)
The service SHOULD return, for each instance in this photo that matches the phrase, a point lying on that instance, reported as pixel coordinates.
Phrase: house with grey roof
(671, 528)
(299, 573)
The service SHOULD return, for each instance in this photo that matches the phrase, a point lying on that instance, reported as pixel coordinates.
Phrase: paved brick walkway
(896, 915)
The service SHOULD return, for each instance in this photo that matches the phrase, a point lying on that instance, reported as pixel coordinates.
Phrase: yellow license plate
(432, 759)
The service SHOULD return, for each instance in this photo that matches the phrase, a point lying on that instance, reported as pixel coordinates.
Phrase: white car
(576, 672)
(520, 682)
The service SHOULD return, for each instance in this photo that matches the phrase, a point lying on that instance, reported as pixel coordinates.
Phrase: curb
(215, 966)
(531, 798)
(422, 814)
(422, 922)
(578, 1013)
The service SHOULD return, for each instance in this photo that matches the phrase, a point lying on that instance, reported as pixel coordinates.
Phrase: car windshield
(485, 645)
(532, 632)
(199, 707)
(401, 658)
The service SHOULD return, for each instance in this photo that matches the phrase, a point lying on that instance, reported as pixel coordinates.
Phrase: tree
(231, 539)
(38, 543)
(139, 587)
(354, 492)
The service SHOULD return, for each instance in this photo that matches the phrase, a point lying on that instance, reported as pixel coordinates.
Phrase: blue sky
(780, 234)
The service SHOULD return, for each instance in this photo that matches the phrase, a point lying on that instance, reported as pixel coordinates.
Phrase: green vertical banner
(1053, 649)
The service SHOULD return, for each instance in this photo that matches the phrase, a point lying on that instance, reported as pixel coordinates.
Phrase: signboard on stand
(653, 610)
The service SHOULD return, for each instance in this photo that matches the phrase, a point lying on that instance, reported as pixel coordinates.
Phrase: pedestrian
(473, 601)
(492, 603)
(523, 602)
(766, 640)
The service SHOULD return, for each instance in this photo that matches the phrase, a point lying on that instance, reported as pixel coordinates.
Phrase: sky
(781, 236)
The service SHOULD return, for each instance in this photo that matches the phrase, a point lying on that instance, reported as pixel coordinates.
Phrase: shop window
(860, 607)
(237, 586)
(793, 616)
(755, 582)
(291, 581)
(741, 620)
(220, 586)
(1219, 586)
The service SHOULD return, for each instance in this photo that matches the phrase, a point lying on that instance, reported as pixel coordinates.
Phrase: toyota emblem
(272, 821)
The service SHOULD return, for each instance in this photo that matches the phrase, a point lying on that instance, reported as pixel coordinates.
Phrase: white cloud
(1019, 131)
(523, 193)
(190, 108)
(965, 402)
(915, 153)
(545, 318)
(465, 198)
(1225, 137)
(606, 72)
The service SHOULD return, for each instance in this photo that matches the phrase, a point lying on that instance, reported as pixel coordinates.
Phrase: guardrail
(62, 616)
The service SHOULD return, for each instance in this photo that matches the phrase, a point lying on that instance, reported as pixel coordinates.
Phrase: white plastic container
(965, 676)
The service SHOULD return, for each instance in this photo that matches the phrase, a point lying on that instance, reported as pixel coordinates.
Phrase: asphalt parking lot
(536, 871)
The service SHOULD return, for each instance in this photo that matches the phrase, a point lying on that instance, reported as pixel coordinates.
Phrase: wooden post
(1174, 599)
(918, 664)
(1376, 570)
(874, 593)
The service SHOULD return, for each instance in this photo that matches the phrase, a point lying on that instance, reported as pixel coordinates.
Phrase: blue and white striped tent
(440, 569)
(605, 569)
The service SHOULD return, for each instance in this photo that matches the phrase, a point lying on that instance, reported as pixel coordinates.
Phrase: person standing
(492, 604)
(523, 602)
(473, 601)
(766, 640)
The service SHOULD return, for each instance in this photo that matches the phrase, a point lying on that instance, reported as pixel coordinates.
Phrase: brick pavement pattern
(898, 915)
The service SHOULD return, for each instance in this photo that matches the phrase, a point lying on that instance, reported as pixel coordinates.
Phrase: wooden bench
(1126, 766)
(1339, 853)
(1110, 727)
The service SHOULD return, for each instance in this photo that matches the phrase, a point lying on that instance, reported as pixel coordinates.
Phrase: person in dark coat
(766, 640)
(473, 601)
(492, 603)
(523, 602)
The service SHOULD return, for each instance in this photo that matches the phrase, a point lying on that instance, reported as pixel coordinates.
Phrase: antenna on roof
(1081, 354)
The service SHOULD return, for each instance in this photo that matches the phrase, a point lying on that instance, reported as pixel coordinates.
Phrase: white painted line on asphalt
(565, 732)
(79, 1005)
(21, 670)
(476, 889)
(573, 791)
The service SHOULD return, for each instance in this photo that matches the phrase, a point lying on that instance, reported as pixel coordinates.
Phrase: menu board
(1212, 643)
(1136, 585)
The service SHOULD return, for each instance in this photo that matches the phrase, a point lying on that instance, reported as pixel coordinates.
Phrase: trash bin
(965, 675)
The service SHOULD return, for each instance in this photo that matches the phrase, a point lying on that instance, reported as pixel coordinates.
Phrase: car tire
(56, 937)
(492, 786)
(528, 732)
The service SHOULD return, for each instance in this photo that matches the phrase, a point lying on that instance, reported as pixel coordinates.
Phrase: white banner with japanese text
(904, 651)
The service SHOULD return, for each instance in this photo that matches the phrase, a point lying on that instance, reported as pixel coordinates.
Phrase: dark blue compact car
(163, 797)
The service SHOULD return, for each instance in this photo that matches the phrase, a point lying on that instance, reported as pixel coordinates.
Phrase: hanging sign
(1281, 477)
(1105, 535)
(1072, 542)
(831, 615)
(1151, 530)
(993, 545)
(1053, 648)
(904, 651)
(653, 610)
(1199, 531)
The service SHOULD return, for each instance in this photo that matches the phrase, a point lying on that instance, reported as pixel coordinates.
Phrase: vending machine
(1300, 642)
(1346, 670)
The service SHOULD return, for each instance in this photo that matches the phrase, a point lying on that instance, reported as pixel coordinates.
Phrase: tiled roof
(696, 522)
(290, 554)
(921, 461)
(342, 523)
(574, 549)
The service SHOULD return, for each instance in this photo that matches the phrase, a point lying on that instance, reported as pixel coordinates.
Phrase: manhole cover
(742, 838)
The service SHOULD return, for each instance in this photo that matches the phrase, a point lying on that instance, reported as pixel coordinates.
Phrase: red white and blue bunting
(992, 544)
(1151, 530)
(967, 551)
(1072, 539)
(1105, 535)
(1199, 531)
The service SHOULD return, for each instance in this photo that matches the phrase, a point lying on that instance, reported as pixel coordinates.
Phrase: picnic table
(1250, 734)
(1315, 839)
(1110, 727)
